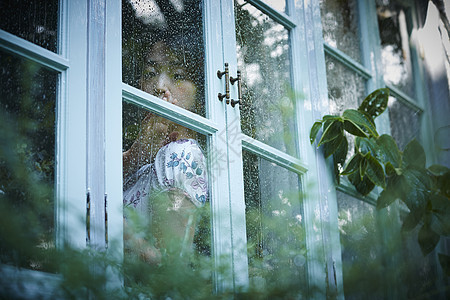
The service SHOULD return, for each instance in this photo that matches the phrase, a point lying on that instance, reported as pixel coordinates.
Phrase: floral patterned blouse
(179, 165)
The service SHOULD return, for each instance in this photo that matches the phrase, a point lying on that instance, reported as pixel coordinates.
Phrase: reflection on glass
(340, 26)
(362, 249)
(27, 162)
(274, 218)
(162, 51)
(267, 112)
(405, 122)
(395, 51)
(34, 21)
(346, 89)
(279, 5)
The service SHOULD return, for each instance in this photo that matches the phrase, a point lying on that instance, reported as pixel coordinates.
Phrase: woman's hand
(155, 132)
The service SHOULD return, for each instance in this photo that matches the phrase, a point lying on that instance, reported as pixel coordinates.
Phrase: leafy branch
(379, 162)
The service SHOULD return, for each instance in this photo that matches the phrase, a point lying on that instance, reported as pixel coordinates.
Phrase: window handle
(106, 220)
(227, 84)
(88, 217)
(233, 80)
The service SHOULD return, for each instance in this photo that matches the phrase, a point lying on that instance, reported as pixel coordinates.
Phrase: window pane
(263, 58)
(34, 21)
(27, 162)
(165, 196)
(275, 232)
(395, 51)
(405, 122)
(346, 89)
(362, 249)
(279, 5)
(340, 26)
(163, 51)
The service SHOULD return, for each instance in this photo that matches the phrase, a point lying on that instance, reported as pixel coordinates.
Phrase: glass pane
(395, 37)
(27, 162)
(263, 58)
(275, 231)
(346, 90)
(340, 26)
(165, 197)
(163, 50)
(362, 249)
(405, 122)
(279, 5)
(34, 21)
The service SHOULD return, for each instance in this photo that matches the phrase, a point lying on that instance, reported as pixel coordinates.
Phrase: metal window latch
(227, 84)
(106, 221)
(88, 217)
(233, 80)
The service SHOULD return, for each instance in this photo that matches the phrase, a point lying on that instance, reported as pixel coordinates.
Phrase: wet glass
(404, 120)
(165, 195)
(279, 5)
(346, 90)
(268, 107)
(27, 162)
(340, 26)
(275, 225)
(34, 21)
(163, 48)
(395, 34)
(362, 249)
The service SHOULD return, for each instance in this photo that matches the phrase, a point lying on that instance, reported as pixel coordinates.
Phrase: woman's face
(166, 76)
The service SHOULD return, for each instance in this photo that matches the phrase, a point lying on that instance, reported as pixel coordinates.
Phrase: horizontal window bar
(168, 110)
(275, 15)
(274, 155)
(405, 99)
(347, 61)
(23, 48)
(347, 188)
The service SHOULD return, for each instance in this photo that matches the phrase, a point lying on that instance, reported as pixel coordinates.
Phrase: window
(174, 134)
(358, 62)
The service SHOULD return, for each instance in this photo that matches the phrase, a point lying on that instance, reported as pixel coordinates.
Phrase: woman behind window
(165, 176)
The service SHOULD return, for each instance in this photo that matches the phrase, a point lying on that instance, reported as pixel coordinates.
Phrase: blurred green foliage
(402, 175)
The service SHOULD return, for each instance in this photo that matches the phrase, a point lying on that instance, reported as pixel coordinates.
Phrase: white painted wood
(33, 52)
(96, 65)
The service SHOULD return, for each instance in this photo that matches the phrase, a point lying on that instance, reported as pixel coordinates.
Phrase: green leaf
(389, 168)
(444, 260)
(359, 121)
(428, 239)
(392, 192)
(366, 145)
(331, 146)
(443, 183)
(416, 186)
(333, 130)
(388, 151)
(341, 152)
(411, 220)
(352, 165)
(440, 215)
(363, 186)
(362, 167)
(376, 103)
(414, 155)
(352, 128)
(438, 170)
(314, 130)
(375, 171)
